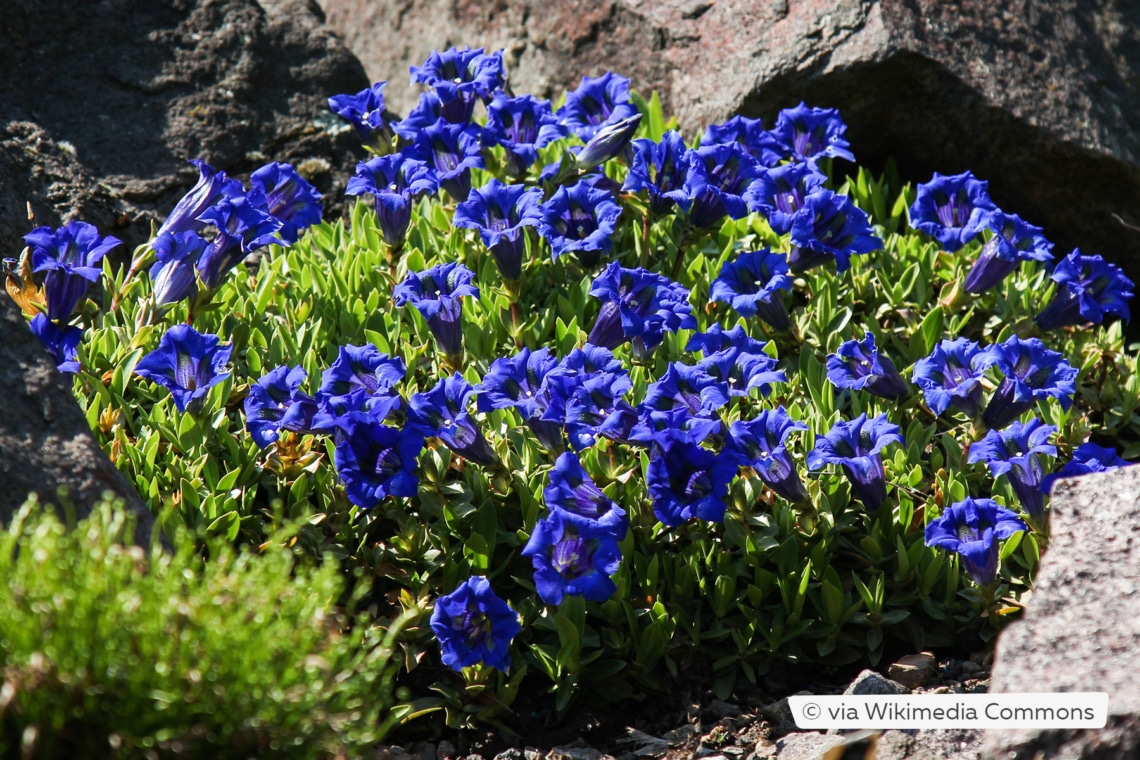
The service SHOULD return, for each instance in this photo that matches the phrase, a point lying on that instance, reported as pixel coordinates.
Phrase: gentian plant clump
(592, 404)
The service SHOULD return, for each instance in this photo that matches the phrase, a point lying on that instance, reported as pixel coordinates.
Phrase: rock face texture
(1081, 631)
(1041, 97)
(101, 104)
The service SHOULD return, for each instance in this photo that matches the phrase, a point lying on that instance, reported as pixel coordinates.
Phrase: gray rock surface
(1081, 630)
(869, 683)
(101, 104)
(1041, 97)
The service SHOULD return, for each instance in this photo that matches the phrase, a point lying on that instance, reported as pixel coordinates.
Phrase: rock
(444, 750)
(941, 744)
(574, 753)
(531, 753)
(869, 683)
(808, 745)
(1081, 628)
(509, 754)
(914, 670)
(970, 667)
(721, 709)
(1041, 97)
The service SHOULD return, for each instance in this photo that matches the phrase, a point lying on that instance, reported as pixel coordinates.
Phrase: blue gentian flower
(858, 365)
(516, 382)
(1031, 373)
(500, 212)
(952, 375)
(474, 625)
(660, 169)
(780, 192)
(1015, 452)
(443, 413)
(289, 198)
(522, 125)
(270, 398)
(811, 133)
(749, 134)
(360, 380)
(459, 76)
(1013, 242)
(572, 555)
(759, 444)
(688, 387)
(596, 103)
(452, 150)
(187, 363)
(737, 360)
(1088, 290)
(436, 294)
(972, 528)
(211, 187)
(427, 111)
(394, 181)
(830, 227)
(638, 306)
(176, 256)
(655, 428)
(61, 342)
(752, 285)
(609, 141)
(364, 111)
(583, 394)
(572, 490)
(70, 255)
(375, 461)
(948, 207)
(856, 445)
(1088, 457)
(243, 225)
(580, 218)
(687, 481)
(716, 180)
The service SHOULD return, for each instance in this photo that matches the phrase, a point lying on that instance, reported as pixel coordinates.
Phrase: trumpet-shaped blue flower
(452, 150)
(596, 103)
(687, 481)
(855, 445)
(364, 111)
(583, 394)
(61, 342)
(638, 306)
(660, 169)
(1031, 373)
(70, 256)
(952, 375)
(829, 227)
(474, 625)
(522, 125)
(360, 380)
(780, 192)
(759, 444)
(811, 133)
(187, 363)
(572, 555)
(858, 365)
(972, 529)
(427, 111)
(572, 490)
(394, 182)
(749, 134)
(1015, 452)
(289, 198)
(948, 207)
(211, 187)
(1088, 457)
(175, 255)
(243, 225)
(737, 360)
(654, 428)
(716, 181)
(459, 77)
(609, 142)
(580, 218)
(436, 294)
(517, 382)
(270, 399)
(687, 387)
(753, 284)
(442, 412)
(1013, 242)
(375, 461)
(500, 212)
(1088, 290)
